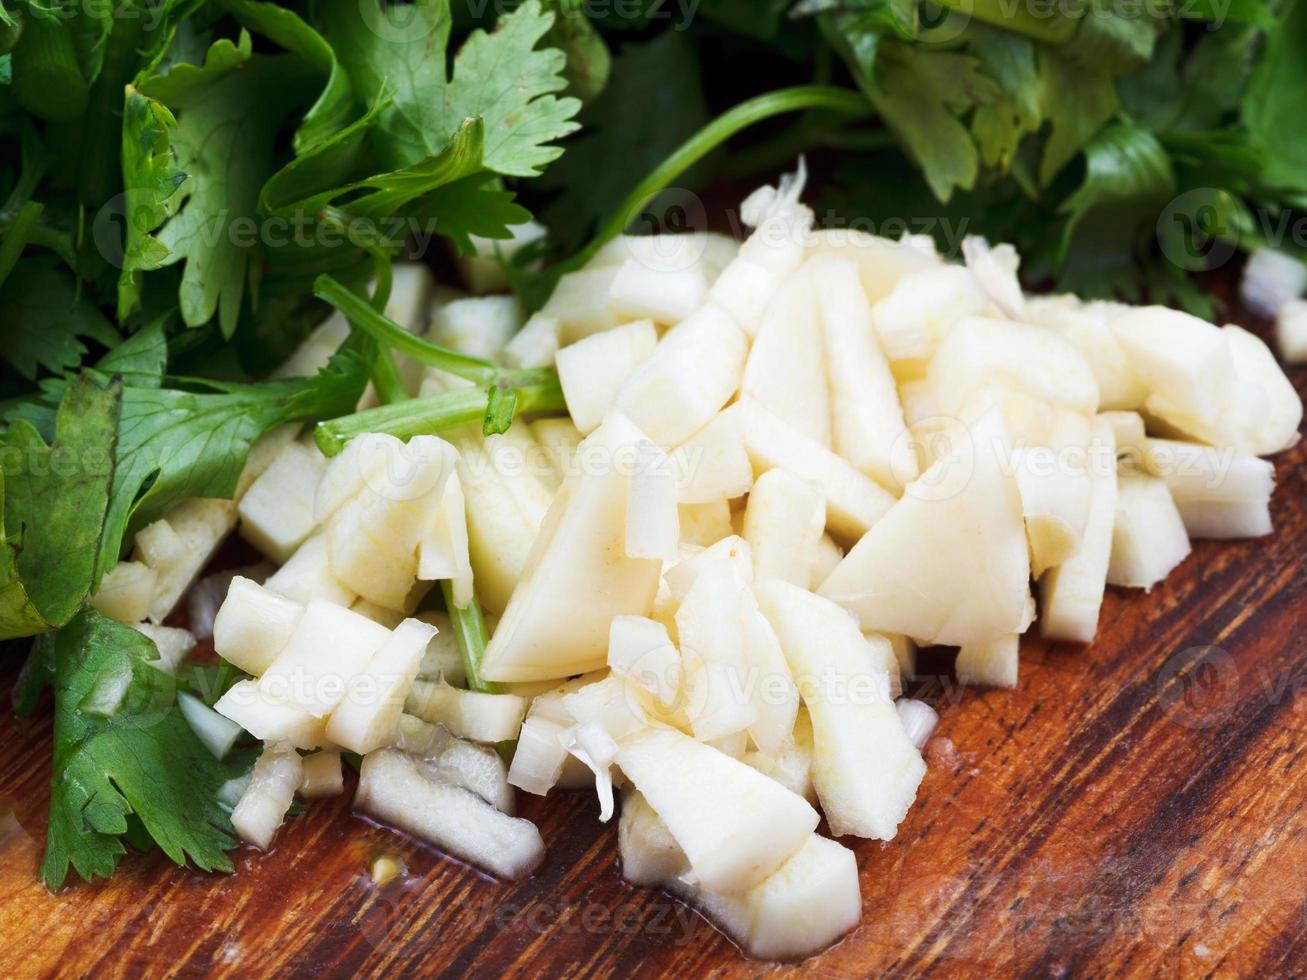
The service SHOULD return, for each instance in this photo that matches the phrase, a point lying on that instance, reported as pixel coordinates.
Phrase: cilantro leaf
(501, 78)
(1077, 102)
(589, 61)
(1111, 217)
(174, 444)
(52, 500)
(1272, 106)
(123, 750)
(227, 113)
(920, 95)
(42, 315)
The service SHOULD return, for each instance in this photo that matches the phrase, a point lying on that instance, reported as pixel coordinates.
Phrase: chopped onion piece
(217, 733)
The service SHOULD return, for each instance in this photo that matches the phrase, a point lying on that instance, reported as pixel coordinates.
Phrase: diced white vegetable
(607, 703)
(1220, 493)
(1089, 327)
(395, 791)
(868, 427)
(580, 305)
(882, 262)
(712, 464)
(210, 592)
(1291, 331)
(264, 450)
(1225, 519)
(733, 549)
(263, 807)
(1148, 534)
(1255, 365)
(1072, 593)
(368, 717)
(640, 650)
(829, 555)
(771, 688)
(1188, 367)
(535, 345)
(710, 625)
(468, 714)
(126, 592)
(595, 748)
(579, 578)
(277, 513)
(322, 774)
(476, 768)
(540, 754)
(792, 765)
(708, 251)
(783, 524)
(982, 351)
(442, 657)
(919, 720)
(481, 270)
(786, 368)
(593, 370)
(389, 618)
(505, 509)
(667, 296)
(1270, 279)
(948, 563)
(443, 551)
(216, 732)
(854, 502)
(652, 521)
(479, 325)
(650, 855)
(804, 906)
(691, 374)
(994, 663)
(173, 645)
(864, 769)
(559, 439)
(1055, 490)
(734, 824)
(254, 625)
(268, 719)
(1196, 472)
(308, 576)
(1129, 436)
(995, 270)
(197, 527)
(360, 464)
(330, 647)
(705, 524)
(920, 311)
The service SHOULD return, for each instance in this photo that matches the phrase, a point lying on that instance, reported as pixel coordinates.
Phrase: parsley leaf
(1272, 107)
(52, 500)
(42, 315)
(502, 78)
(123, 750)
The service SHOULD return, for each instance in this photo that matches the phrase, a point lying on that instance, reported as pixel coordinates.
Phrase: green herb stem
(437, 413)
(471, 634)
(48, 80)
(708, 139)
(17, 235)
(389, 333)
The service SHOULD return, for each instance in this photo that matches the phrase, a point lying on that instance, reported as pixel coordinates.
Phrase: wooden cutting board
(1135, 807)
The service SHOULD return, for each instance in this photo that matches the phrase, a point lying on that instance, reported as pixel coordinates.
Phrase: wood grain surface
(1132, 808)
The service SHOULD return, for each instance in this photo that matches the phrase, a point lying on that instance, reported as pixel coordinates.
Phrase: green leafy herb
(53, 500)
(124, 751)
